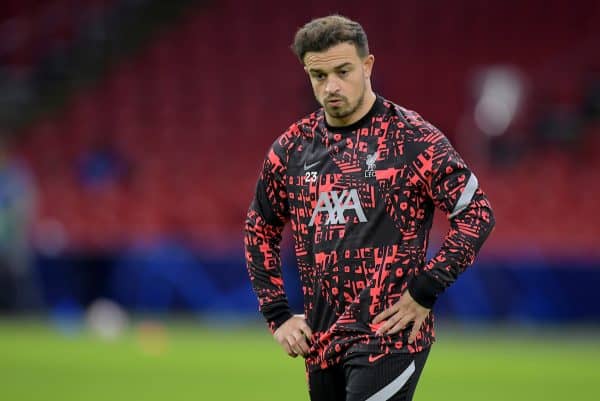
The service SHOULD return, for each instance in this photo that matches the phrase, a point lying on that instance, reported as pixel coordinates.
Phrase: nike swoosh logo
(309, 166)
(374, 358)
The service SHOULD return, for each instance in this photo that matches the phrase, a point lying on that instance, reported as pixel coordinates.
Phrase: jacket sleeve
(455, 190)
(266, 219)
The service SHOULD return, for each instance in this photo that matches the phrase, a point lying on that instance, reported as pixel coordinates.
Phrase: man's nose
(332, 86)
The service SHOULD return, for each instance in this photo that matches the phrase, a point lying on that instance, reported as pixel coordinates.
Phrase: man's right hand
(294, 336)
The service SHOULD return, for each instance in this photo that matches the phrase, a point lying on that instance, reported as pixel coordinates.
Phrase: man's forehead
(332, 57)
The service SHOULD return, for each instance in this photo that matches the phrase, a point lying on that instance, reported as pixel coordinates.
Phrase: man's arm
(455, 190)
(266, 219)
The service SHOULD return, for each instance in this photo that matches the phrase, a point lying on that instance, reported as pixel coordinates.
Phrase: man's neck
(366, 105)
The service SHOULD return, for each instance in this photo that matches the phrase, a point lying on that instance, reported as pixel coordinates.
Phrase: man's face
(339, 78)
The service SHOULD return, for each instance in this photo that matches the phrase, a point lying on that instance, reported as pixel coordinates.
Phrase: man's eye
(320, 77)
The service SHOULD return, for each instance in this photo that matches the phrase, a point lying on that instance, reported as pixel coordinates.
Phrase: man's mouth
(334, 102)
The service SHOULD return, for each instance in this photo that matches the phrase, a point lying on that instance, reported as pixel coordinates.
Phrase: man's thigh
(327, 385)
(393, 377)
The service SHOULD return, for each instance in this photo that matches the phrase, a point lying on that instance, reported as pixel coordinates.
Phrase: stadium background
(132, 132)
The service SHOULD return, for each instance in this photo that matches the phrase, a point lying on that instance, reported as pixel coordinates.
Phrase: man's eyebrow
(346, 64)
(338, 67)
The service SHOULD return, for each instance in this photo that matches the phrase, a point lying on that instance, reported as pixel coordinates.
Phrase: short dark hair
(322, 33)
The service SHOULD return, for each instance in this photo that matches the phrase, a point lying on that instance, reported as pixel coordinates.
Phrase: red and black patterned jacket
(360, 200)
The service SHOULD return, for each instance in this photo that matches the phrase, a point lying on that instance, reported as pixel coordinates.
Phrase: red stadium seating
(194, 113)
(30, 29)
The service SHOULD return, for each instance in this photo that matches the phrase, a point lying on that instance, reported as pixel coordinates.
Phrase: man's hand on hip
(294, 336)
(400, 314)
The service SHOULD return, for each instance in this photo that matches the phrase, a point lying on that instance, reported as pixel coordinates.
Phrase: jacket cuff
(425, 289)
(277, 315)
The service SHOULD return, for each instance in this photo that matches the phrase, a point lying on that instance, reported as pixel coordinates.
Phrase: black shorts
(392, 377)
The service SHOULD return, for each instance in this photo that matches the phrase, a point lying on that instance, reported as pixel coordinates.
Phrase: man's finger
(400, 325)
(389, 324)
(305, 328)
(384, 327)
(303, 347)
(415, 330)
(300, 345)
(395, 328)
(292, 343)
(288, 349)
(385, 314)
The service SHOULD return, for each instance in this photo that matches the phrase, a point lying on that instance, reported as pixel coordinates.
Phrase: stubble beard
(343, 112)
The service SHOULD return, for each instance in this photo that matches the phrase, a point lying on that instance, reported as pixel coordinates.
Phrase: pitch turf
(194, 362)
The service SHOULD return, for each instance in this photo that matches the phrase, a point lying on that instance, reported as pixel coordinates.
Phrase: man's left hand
(400, 314)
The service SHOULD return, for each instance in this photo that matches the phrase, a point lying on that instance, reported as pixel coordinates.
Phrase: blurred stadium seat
(200, 97)
(191, 114)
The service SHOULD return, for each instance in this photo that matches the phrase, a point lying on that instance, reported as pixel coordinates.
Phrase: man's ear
(368, 65)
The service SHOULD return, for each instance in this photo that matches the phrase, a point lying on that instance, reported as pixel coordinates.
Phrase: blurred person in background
(102, 165)
(359, 180)
(18, 290)
(590, 106)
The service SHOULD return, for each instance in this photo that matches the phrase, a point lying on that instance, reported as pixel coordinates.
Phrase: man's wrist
(276, 316)
(425, 289)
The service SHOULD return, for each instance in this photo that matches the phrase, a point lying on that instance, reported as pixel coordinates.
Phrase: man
(358, 180)
(18, 291)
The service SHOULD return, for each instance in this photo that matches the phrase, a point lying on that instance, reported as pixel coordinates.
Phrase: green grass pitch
(186, 361)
